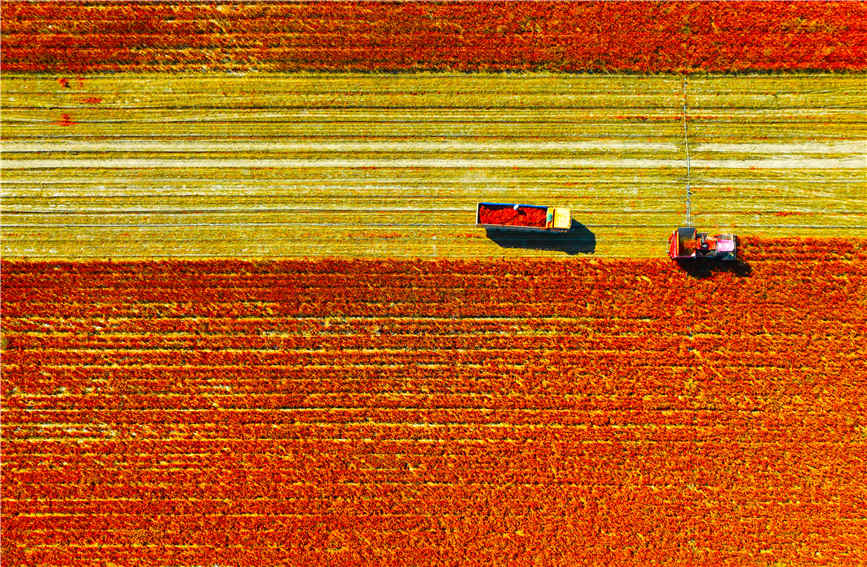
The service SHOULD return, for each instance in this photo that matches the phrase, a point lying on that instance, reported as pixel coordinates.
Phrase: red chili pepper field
(378, 412)
(642, 37)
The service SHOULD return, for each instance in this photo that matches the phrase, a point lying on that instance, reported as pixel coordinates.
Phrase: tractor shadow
(701, 268)
(577, 240)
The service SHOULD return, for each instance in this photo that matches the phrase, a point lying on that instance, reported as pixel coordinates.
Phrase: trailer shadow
(702, 268)
(577, 240)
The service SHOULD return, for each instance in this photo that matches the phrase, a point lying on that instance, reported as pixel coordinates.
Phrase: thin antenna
(686, 148)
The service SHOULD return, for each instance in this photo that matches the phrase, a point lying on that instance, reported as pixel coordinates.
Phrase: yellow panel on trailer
(562, 218)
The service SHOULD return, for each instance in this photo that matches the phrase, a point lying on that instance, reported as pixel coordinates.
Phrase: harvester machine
(686, 243)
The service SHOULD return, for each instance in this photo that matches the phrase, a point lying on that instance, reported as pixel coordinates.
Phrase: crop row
(536, 345)
(370, 499)
(398, 341)
(634, 36)
(187, 39)
(355, 372)
(683, 357)
(366, 296)
(727, 385)
(446, 464)
(816, 325)
(345, 399)
(175, 453)
(702, 318)
(283, 496)
(771, 424)
(178, 451)
(564, 55)
(289, 325)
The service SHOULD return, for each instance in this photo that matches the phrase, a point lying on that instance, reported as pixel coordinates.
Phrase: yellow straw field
(301, 165)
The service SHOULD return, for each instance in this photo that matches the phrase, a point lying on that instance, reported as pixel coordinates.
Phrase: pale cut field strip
(74, 162)
(197, 165)
(307, 146)
(843, 148)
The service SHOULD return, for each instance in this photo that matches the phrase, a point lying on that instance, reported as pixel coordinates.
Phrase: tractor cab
(687, 243)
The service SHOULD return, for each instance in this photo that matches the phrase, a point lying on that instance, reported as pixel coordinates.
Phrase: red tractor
(686, 243)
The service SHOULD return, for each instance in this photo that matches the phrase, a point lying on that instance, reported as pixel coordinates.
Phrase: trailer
(526, 218)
